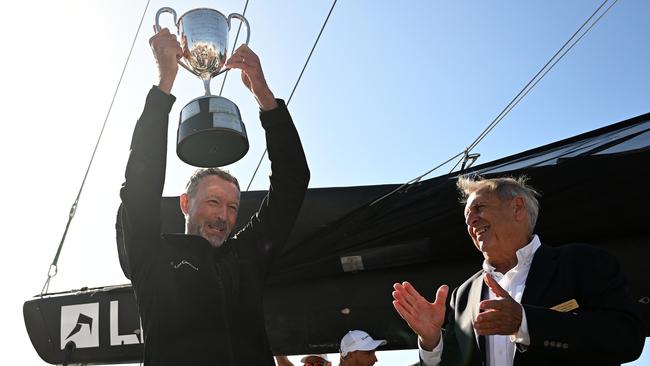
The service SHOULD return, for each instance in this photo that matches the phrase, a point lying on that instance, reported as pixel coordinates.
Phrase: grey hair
(199, 174)
(506, 188)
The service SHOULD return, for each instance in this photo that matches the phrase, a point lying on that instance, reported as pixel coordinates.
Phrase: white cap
(358, 340)
(323, 356)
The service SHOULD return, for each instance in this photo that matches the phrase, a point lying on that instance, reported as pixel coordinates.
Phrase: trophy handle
(248, 34)
(157, 26)
(165, 10)
(243, 20)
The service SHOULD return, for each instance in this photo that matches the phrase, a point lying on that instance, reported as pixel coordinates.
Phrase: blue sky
(393, 89)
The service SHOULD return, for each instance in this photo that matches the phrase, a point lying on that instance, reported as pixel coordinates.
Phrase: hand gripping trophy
(210, 130)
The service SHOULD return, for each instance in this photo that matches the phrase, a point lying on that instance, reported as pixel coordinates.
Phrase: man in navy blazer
(530, 304)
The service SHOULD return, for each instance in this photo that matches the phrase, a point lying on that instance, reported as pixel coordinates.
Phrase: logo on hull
(79, 325)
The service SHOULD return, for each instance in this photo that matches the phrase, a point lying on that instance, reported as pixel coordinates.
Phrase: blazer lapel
(475, 344)
(475, 298)
(540, 275)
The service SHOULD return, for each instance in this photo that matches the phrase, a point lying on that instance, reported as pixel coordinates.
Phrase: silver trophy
(210, 130)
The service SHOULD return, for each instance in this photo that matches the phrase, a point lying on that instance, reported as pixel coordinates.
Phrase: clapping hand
(500, 316)
(425, 318)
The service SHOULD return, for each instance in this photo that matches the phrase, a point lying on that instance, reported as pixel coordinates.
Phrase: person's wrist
(266, 101)
(430, 342)
(267, 106)
(166, 83)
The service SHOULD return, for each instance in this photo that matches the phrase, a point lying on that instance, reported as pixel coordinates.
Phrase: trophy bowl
(204, 39)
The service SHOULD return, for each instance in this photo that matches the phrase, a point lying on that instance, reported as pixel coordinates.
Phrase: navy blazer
(606, 328)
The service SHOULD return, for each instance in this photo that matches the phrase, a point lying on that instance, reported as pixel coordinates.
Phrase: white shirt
(501, 349)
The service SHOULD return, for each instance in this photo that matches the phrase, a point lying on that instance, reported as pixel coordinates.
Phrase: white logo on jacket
(184, 262)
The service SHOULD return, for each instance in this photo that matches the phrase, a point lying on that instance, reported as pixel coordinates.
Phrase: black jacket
(200, 305)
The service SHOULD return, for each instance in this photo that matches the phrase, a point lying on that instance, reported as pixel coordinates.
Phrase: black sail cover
(350, 244)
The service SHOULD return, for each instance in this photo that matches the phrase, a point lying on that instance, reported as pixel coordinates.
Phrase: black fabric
(201, 305)
(337, 221)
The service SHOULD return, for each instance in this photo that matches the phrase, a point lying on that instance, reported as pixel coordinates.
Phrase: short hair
(199, 174)
(505, 188)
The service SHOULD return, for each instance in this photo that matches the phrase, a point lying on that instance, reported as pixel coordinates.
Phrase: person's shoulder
(577, 249)
(581, 253)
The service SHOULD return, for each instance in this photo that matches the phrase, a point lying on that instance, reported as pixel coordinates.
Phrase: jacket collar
(198, 244)
(540, 275)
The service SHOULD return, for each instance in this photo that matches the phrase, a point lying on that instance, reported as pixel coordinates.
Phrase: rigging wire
(466, 156)
(415, 180)
(295, 86)
(539, 76)
(223, 83)
(53, 270)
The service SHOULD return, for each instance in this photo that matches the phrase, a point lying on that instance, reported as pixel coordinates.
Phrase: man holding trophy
(200, 293)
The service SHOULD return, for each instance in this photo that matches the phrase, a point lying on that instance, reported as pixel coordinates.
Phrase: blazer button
(552, 343)
(565, 345)
(545, 343)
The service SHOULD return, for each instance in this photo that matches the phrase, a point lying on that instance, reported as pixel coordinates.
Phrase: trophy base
(211, 133)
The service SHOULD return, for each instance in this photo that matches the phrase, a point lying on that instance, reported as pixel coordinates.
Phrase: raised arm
(145, 171)
(290, 174)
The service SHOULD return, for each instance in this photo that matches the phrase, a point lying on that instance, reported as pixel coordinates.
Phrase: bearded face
(211, 212)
